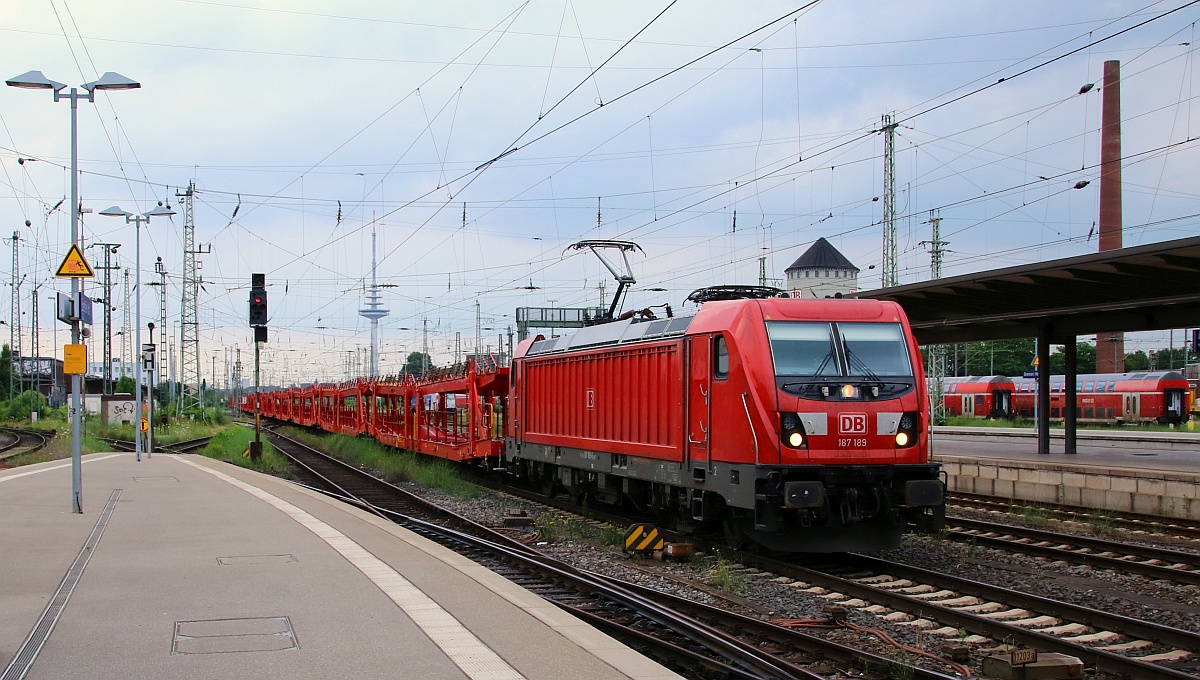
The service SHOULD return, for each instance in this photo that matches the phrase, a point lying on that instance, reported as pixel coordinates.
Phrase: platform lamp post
(35, 80)
(137, 220)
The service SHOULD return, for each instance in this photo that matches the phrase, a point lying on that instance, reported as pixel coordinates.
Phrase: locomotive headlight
(906, 430)
(791, 431)
(849, 391)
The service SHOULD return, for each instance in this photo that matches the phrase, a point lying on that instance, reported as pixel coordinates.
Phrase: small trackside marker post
(643, 539)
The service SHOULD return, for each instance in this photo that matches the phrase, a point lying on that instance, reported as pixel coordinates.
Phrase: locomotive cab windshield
(813, 359)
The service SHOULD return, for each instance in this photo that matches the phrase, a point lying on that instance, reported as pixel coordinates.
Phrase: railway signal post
(258, 321)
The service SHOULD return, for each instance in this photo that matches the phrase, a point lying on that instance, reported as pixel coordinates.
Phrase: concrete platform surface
(185, 567)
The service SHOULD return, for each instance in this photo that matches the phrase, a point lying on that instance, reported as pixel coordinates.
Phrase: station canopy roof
(1141, 288)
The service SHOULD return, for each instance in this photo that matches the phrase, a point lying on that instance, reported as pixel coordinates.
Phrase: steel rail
(1100, 659)
(1188, 576)
(1129, 520)
(779, 634)
(39, 442)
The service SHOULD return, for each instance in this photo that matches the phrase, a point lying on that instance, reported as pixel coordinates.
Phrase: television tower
(373, 311)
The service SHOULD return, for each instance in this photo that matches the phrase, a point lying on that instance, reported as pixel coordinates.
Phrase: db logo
(852, 423)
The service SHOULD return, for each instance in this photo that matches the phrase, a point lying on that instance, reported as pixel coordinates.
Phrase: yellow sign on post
(145, 425)
(75, 265)
(74, 359)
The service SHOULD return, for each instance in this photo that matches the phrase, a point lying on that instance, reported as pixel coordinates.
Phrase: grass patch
(1103, 525)
(394, 466)
(964, 421)
(552, 527)
(724, 575)
(231, 443)
(184, 430)
(1035, 515)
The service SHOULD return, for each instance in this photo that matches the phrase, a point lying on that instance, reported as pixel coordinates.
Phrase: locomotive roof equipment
(624, 281)
(712, 293)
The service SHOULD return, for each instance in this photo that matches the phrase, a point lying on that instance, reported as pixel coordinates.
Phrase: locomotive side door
(699, 400)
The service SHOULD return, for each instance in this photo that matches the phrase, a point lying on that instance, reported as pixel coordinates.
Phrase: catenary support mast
(890, 275)
(189, 310)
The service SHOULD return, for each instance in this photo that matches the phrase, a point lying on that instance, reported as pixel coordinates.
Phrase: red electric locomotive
(1113, 398)
(799, 424)
(989, 396)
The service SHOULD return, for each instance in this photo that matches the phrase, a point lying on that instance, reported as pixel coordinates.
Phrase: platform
(186, 567)
(1153, 473)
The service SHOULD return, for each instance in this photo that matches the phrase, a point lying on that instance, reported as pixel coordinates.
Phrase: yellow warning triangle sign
(75, 265)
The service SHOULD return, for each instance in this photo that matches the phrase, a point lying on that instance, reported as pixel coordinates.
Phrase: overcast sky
(321, 122)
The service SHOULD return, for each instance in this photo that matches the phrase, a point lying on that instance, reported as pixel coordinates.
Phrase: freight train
(1161, 397)
(800, 425)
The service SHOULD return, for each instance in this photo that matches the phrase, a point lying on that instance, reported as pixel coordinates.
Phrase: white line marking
(85, 459)
(474, 658)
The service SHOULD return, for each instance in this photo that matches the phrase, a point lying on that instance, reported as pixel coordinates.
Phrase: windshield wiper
(817, 377)
(861, 365)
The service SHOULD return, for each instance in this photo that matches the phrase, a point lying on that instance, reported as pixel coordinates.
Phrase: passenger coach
(1113, 398)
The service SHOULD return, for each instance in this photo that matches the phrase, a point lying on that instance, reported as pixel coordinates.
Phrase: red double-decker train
(802, 425)
(1112, 398)
(988, 396)
(1162, 397)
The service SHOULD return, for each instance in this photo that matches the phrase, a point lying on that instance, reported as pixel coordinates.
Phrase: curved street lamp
(35, 80)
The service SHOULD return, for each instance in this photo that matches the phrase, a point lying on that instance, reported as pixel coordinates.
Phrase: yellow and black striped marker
(643, 538)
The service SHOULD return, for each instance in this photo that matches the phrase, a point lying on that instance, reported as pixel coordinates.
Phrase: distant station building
(821, 272)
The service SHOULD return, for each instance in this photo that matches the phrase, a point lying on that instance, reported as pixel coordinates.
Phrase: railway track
(190, 446)
(946, 606)
(21, 442)
(703, 642)
(1157, 563)
(118, 444)
(1104, 519)
(949, 605)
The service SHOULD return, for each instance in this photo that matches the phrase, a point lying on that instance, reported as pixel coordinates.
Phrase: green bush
(393, 465)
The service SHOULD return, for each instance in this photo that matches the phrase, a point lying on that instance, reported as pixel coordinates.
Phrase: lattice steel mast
(164, 369)
(189, 309)
(890, 275)
(14, 327)
(108, 249)
(126, 329)
(937, 353)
